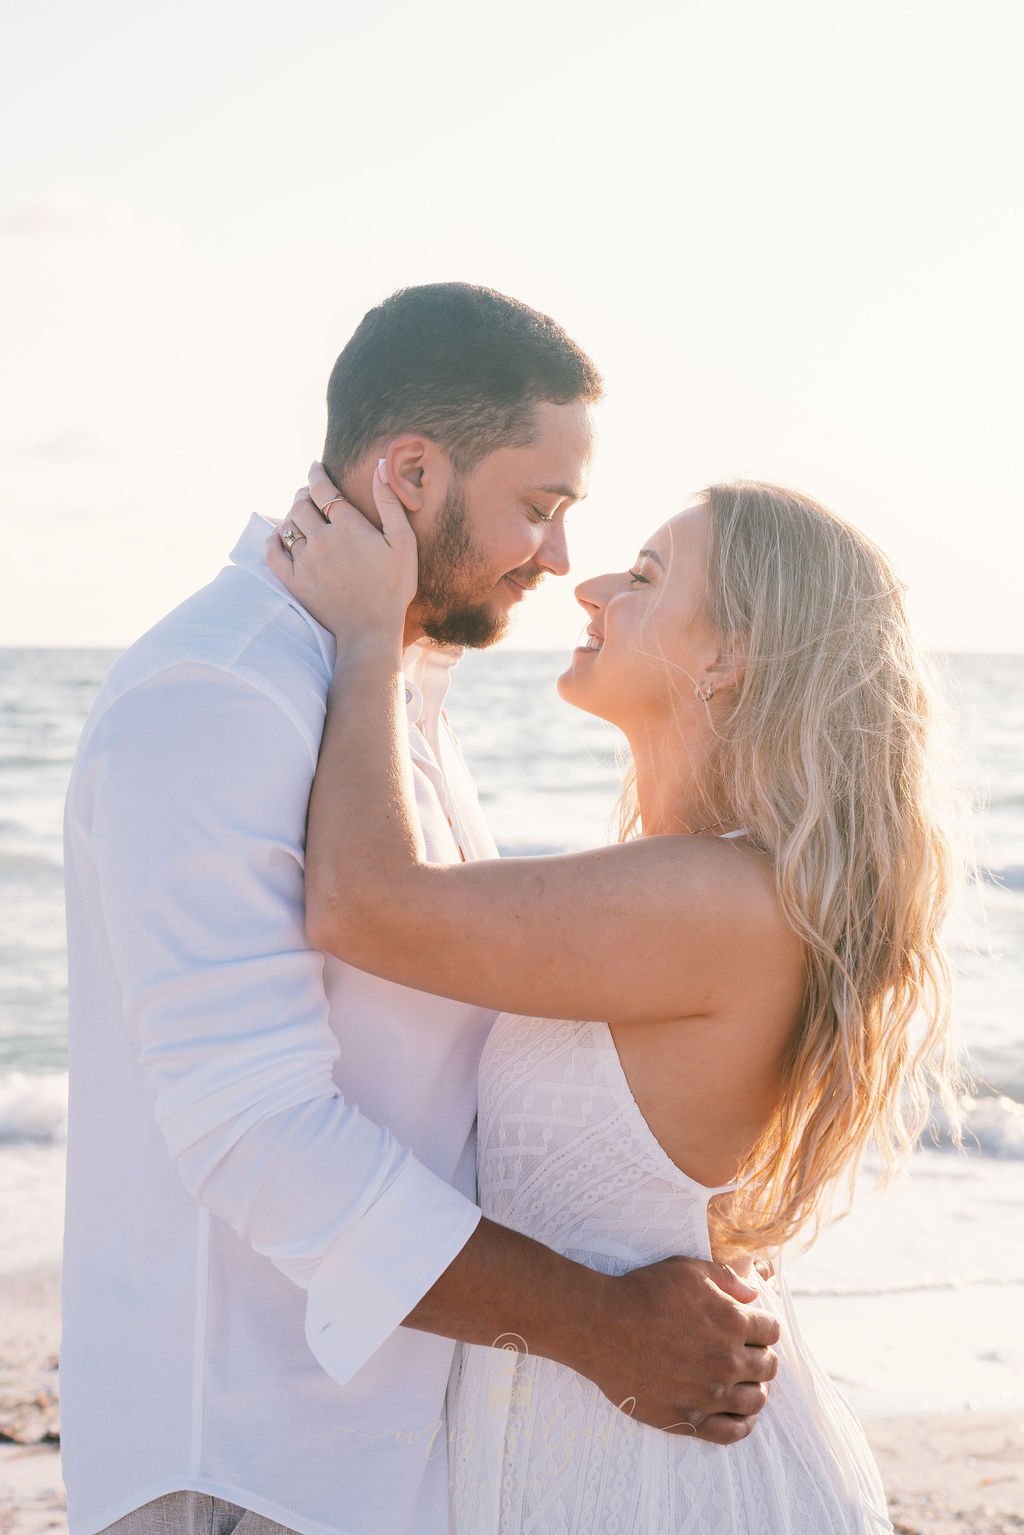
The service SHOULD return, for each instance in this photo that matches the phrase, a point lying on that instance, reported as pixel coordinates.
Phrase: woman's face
(648, 641)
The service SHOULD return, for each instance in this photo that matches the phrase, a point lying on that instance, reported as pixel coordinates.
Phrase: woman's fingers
(277, 557)
(292, 535)
(734, 1284)
(305, 517)
(351, 569)
(394, 520)
(322, 488)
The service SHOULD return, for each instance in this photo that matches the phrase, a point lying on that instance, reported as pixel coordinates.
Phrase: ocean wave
(992, 1126)
(1004, 799)
(1009, 878)
(910, 1286)
(61, 757)
(29, 862)
(33, 1108)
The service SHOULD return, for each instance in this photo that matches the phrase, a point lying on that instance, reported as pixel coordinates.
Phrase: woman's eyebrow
(652, 554)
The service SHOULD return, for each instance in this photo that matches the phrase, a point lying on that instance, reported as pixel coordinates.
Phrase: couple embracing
(411, 1189)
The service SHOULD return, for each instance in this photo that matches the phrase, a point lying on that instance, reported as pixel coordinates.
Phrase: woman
(703, 1025)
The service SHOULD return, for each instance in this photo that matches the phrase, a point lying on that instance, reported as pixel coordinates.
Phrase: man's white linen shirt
(270, 1154)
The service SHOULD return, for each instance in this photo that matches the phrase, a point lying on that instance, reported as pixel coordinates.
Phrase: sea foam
(33, 1109)
(993, 1126)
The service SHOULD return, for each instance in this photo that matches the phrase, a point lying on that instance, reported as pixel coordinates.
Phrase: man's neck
(412, 633)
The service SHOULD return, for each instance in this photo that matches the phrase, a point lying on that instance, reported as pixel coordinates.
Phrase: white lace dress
(565, 1155)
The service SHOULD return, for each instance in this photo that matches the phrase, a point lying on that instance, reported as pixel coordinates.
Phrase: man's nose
(554, 551)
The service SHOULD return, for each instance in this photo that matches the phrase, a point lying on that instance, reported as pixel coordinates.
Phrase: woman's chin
(573, 688)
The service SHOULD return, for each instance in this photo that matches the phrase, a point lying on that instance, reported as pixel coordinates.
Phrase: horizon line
(514, 649)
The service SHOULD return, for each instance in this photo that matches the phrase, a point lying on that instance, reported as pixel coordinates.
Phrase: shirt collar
(427, 667)
(428, 676)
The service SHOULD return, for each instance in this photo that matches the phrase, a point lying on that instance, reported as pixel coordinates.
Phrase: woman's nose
(588, 594)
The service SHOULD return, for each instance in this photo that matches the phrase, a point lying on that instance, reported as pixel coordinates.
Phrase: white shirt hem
(92, 1523)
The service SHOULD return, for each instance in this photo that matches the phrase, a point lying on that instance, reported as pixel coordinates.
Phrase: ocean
(942, 1253)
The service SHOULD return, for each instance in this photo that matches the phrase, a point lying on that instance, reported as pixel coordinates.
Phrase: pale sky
(789, 234)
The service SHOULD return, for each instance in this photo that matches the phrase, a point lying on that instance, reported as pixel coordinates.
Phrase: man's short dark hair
(466, 366)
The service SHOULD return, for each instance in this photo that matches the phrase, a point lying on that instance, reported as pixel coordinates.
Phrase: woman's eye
(635, 575)
(541, 517)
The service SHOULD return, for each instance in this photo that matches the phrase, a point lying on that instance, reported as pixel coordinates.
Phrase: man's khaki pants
(193, 1513)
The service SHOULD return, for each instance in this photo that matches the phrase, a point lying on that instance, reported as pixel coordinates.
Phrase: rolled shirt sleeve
(192, 801)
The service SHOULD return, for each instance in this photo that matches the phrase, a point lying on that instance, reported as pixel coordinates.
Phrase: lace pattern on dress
(566, 1156)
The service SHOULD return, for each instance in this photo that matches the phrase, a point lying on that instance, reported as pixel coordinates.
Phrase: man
(258, 1325)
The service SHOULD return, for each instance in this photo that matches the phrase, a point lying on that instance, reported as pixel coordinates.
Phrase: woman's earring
(705, 691)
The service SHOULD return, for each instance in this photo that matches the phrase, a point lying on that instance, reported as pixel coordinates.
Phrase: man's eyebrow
(565, 491)
(652, 554)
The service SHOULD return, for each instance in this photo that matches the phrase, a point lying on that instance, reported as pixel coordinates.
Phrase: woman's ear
(730, 665)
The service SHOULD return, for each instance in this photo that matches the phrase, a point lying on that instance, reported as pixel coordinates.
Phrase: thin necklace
(706, 828)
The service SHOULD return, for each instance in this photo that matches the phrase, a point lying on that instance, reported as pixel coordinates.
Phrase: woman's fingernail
(382, 470)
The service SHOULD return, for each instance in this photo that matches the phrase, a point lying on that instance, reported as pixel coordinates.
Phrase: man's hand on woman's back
(685, 1350)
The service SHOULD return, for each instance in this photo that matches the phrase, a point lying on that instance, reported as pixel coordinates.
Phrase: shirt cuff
(372, 1277)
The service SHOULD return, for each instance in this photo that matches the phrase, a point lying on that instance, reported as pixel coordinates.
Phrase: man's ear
(410, 462)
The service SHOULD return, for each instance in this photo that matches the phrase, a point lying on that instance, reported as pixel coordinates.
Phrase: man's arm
(191, 798)
(667, 1343)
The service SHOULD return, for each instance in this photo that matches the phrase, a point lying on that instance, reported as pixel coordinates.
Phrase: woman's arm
(631, 932)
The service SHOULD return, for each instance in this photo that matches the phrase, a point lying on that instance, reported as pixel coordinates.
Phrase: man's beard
(446, 567)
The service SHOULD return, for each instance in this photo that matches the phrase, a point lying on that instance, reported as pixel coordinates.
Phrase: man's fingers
(722, 1428)
(745, 1401)
(762, 1329)
(760, 1364)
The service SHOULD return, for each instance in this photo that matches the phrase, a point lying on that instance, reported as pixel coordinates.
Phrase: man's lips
(520, 587)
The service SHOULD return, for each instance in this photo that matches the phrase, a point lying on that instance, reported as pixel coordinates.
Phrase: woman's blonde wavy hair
(828, 757)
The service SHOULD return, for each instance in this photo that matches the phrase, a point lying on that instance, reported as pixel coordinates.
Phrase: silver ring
(290, 536)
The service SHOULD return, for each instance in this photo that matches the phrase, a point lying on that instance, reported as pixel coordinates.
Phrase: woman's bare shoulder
(739, 894)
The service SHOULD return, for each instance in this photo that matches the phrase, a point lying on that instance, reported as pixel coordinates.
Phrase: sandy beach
(952, 1474)
(31, 1490)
